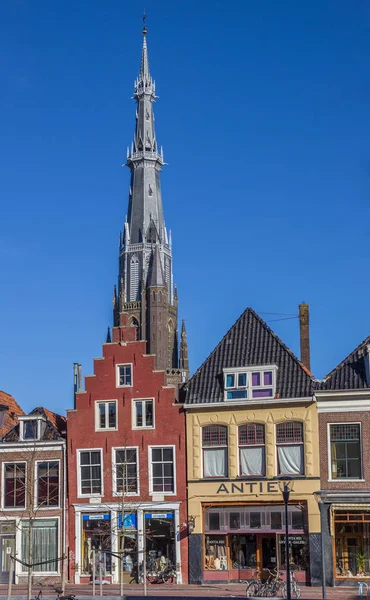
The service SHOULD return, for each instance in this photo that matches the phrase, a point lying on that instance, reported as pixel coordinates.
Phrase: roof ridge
(343, 362)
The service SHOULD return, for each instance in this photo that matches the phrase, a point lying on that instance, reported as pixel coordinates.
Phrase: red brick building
(343, 403)
(126, 434)
(126, 444)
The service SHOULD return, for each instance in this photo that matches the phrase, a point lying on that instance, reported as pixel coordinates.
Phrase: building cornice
(248, 403)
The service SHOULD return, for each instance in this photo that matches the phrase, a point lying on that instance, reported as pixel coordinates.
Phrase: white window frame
(10, 508)
(133, 413)
(80, 494)
(114, 473)
(117, 375)
(43, 573)
(23, 419)
(97, 415)
(35, 495)
(151, 492)
(226, 448)
(329, 453)
(277, 444)
(248, 387)
(263, 446)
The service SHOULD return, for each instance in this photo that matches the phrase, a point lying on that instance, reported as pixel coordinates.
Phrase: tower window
(134, 278)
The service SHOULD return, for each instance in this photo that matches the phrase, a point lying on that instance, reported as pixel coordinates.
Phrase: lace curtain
(44, 538)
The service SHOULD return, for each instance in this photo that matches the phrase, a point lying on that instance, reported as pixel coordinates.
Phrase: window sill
(125, 386)
(137, 427)
(105, 429)
(40, 508)
(119, 494)
(7, 508)
(345, 480)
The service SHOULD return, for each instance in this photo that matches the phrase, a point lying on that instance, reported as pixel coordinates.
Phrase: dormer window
(250, 383)
(31, 428)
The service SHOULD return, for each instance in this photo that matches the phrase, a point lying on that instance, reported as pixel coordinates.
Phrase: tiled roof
(11, 416)
(350, 374)
(249, 342)
(55, 426)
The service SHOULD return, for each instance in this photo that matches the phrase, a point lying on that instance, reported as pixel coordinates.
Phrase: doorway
(7, 549)
(268, 551)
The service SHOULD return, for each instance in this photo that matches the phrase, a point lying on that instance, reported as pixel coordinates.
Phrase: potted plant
(360, 562)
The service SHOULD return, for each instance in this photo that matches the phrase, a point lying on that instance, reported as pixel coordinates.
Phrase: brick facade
(168, 430)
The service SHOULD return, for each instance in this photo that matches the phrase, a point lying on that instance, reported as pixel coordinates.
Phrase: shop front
(242, 538)
(102, 533)
(350, 530)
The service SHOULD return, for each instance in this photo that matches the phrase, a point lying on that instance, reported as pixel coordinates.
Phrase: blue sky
(264, 119)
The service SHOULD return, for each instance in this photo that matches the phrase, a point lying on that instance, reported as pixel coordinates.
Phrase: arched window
(289, 442)
(159, 296)
(214, 444)
(153, 295)
(252, 450)
(134, 278)
(167, 275)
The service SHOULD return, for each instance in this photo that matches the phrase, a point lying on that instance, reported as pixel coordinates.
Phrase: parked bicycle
(294, 587)
(265, 588)
(167, 575)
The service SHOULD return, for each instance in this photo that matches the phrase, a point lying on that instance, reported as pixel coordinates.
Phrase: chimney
(304, 334)
(77, 378)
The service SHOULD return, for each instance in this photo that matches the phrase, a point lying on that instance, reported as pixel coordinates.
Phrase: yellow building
(251, 421)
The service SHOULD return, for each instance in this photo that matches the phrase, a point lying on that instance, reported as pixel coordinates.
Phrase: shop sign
(130, 521)
(95, 517)
(249, 487)
(293, 539)
(159, 515)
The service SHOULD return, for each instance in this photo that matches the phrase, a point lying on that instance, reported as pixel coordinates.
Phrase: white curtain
(44, 547)
(291, 459)
(252, 461)
(214, 463)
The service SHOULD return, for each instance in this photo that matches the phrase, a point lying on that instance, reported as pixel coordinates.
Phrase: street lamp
(320, 499)
(286, 486)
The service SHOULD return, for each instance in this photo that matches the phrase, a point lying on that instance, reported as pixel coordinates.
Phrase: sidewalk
(179, 591)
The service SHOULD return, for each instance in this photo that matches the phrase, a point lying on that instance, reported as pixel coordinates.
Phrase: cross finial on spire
(144, 21)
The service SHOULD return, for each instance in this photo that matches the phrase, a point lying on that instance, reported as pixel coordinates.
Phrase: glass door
(7, 548)
(268, 551)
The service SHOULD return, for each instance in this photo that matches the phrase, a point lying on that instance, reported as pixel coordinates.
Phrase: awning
(350, 506)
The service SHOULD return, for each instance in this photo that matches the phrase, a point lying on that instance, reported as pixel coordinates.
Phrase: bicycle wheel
(252, 589)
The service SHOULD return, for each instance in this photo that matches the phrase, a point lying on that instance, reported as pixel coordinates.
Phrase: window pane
(30, 430)
(267, 378)
(262, 393)
(215, 462)
(214, 521)
(237, 395)
(354, 470)
(252, 434)
(139, 414)
(156, 454)
(276, 520)
(290, 460)
(255, 520)
(242, 379)
(297, 519)
(234, 520)
(252, 461)
(256, 379)
(85, 458)
(167, 454)
(112, 414)
(230, 380)
(288, 432)
(102, 415)
(149, 413)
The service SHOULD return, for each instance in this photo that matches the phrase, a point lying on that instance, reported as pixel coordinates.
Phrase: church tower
(146, 298)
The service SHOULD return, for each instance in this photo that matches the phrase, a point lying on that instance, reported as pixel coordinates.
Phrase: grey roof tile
(350, 374)
(249, 342)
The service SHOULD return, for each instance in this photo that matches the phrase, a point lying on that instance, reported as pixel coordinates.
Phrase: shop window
(143, 413)
(345, 451)
(243, 551)
(234, 520)
(215, 553)
(214, 442)
(44, 544)
(14, 485)
(47, 483)
(276, 520)
(289, 440)
(96, 534)
(125, 471)
(106, 415)
(252, 450)
(214, 521)
(255, 520)
(162, 470)
(297, 519)
(160, 539)
(90, 472)
(298, 549)
(124, 375)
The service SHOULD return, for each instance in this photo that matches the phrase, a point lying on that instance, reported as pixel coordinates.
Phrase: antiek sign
(249, 487)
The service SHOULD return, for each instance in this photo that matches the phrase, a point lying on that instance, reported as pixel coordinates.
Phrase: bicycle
(59, 591)
(294, 587)
(267, 589)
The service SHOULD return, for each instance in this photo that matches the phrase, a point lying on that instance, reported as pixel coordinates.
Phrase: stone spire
(145, 291)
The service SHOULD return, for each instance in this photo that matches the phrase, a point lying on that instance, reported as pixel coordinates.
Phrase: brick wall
(342, 417)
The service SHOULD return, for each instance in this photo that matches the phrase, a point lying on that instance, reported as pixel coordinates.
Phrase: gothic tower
(146, 296)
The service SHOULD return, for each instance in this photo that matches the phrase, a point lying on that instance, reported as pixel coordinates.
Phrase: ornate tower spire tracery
(145, 281)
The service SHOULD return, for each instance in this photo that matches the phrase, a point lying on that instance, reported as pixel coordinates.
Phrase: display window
(96, 534)
(352, 544)
(160, 540)
(128, 545)
(299, 552)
